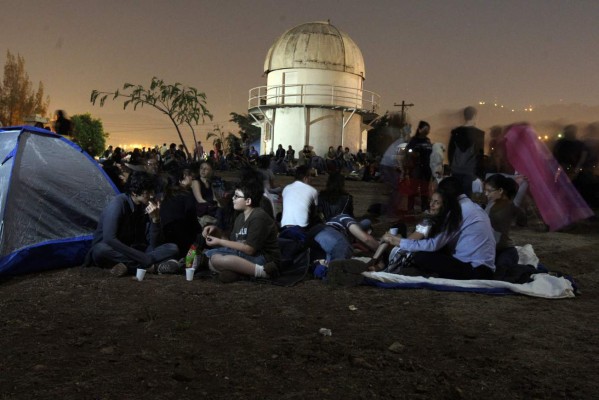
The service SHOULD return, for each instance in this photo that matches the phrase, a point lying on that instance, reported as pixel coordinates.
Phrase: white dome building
(314, 93)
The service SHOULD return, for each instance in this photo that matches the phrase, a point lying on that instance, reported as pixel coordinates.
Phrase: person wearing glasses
(252, 249)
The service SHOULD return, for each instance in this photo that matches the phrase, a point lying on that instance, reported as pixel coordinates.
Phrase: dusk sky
(439, 55)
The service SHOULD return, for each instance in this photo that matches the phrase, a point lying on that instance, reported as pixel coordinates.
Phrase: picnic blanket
(542, 284)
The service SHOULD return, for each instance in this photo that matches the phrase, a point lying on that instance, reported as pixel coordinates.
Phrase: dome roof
(317, 45)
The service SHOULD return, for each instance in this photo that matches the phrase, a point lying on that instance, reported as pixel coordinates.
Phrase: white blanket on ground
(542, 284)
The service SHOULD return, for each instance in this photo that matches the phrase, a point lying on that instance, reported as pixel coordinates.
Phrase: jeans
(105, 256)
(335, 244)
(259, 259)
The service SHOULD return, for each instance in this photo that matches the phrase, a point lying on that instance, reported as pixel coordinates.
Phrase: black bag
(295, 262)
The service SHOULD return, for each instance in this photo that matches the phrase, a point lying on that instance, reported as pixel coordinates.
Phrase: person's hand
(213, 241)
(209, 230)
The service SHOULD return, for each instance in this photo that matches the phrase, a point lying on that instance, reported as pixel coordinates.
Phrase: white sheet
(542, 285)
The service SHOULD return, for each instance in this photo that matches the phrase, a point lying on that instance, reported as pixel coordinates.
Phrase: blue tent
(51, 196)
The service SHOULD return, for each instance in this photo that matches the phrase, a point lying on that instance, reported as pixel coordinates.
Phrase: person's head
(248, 192)
(469, 113)
(205, 170)
(280, 146)
(263, 162)
(184, 177)
(140, 186)
(335, 183)
(331, 149)
(290, 148)
(452, 186)
(446, 209)
(152, 165)
(347, 149)
(302, 173)
(60, 114)
(423, 128)
(307, 147)
(570, 132)
(500, 187)
(339, 149)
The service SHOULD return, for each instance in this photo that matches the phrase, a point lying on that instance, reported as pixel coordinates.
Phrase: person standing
(62, 125)
(418, 153)
(465, 150)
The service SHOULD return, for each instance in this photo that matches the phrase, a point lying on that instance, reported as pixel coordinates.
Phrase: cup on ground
(189, 273)
(141, 273)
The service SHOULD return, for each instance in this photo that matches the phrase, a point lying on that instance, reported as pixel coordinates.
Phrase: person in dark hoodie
(466, 150)
(127, 234)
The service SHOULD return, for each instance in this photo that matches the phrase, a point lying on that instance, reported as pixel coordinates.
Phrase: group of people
(166, 208)
(136, 230)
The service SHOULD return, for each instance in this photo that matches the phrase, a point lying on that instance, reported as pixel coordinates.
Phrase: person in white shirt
(299, 201)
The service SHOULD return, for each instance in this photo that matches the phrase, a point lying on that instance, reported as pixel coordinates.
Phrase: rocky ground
(82, 334)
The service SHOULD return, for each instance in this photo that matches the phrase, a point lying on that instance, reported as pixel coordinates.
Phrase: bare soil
(82, 334)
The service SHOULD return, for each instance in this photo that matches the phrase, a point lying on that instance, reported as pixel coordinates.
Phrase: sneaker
(271, 269)
(228, 276)
(119, 270)
(169, 267)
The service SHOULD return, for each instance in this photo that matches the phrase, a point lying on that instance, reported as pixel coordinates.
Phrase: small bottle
(191, 255)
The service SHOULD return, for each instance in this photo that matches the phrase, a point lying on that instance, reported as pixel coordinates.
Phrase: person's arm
(522, 188)
(363, 237)
(214, 241)
(110, 223)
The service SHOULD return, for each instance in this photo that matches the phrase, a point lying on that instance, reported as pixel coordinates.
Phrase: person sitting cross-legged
(252, 249)
(128, 230)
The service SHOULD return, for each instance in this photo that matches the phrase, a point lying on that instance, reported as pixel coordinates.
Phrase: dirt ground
(82, 334)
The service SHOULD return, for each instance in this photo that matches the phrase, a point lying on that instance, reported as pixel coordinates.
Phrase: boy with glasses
(252, 248)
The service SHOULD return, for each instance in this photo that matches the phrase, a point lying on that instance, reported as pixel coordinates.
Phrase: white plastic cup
(141, 273)
(394, 231)
(189, 273)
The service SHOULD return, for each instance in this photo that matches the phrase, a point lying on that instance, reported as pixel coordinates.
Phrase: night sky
(439, 55)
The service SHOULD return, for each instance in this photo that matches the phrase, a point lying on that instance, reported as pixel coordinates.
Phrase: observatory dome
(317, 45)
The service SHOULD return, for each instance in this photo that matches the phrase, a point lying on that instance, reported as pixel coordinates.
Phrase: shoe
(271, 269)
(152, 269)
(169, 267)
(227, 276)
(119, 270)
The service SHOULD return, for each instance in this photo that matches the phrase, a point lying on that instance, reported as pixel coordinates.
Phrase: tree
(182, 105)
(247, 130)
(228, 143)
(89, 133)
(17, 97)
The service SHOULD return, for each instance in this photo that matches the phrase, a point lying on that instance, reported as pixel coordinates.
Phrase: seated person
(334, 199)
(208, 209)
(299, 202)
(465, 252)
(500, 190)
(178, 213)
(127, 234)
(252, 249)
(444, 213)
